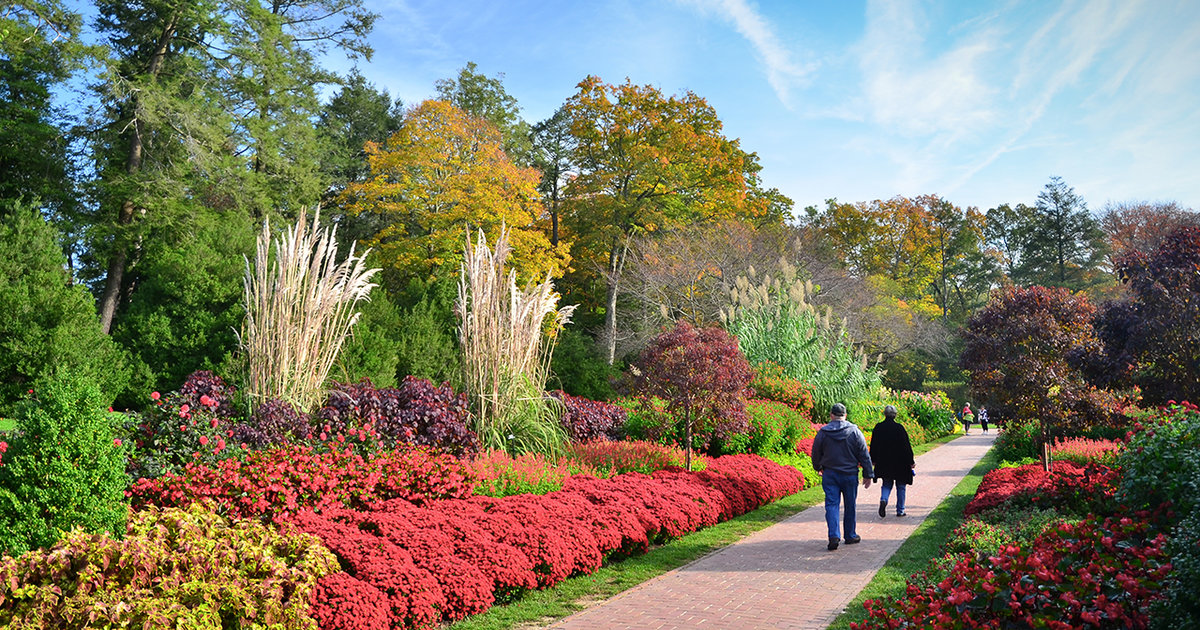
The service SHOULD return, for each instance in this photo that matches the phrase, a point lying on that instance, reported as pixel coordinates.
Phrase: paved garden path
(782, 576)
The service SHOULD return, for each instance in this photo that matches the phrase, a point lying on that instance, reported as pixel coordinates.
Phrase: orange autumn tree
(648, 162)
(442, 174)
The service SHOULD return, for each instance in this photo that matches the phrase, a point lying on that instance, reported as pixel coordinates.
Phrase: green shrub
(988, 531)
(371, 351)
(770, 383)
(774, 428)
(1159, 463)
(426, 346)
(1182, 598)
(46, 322)
(799, 461)
(174, 569)
(650, 420)
(956, 391)
(578, 369)
(62, 468)
(1018, 442)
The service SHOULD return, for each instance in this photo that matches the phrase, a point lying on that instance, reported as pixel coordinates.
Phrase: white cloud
(782, 71)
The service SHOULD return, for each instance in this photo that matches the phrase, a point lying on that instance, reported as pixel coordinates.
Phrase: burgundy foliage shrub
(416, 412)
(587, 420)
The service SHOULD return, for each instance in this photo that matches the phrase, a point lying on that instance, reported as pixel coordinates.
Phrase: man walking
(837, 452)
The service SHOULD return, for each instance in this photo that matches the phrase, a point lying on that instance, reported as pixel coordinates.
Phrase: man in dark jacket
(837, 452)
(892, 454)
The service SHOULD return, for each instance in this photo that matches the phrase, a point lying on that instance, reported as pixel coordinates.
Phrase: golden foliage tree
(443, 173)
(647, 161)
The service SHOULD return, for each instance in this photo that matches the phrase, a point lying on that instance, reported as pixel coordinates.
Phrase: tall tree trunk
(133, 163)
(616, 264)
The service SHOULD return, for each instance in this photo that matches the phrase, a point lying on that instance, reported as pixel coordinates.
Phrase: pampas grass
(507, 338)
(299, 310)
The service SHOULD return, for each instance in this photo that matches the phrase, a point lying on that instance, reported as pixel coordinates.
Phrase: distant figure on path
(983, 419)
(967, 417)
(892, 455)
(837, 452)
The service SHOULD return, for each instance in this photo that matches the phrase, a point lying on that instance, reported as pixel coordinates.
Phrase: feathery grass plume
(775, 322)
(507, 338)
(299, 310)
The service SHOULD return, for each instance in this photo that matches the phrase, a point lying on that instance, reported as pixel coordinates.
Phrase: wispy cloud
(783, 72)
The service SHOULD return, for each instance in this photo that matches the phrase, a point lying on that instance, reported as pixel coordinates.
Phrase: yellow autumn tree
(443, 174)
(647, 162)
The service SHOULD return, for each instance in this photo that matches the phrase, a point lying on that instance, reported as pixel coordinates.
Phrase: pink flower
(153, 395)
(323, 436)
(207, 402)
(3, 446)
(117, 442)
(203, 440)
(184, 409)
(213, 423)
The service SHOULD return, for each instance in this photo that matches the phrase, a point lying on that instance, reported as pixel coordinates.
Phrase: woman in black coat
(892, 456)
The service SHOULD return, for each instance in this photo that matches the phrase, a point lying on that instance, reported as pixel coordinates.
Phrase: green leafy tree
(40, 48)
(552, 145)
(486, 98)
(1062, 244)
(48, 322)
(63, 469)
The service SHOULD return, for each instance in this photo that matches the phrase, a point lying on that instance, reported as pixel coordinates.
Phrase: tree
(1005, 231)
(443, 173)
(1163, 331)
(206, 106)
(1142, 226)
(647, 161)
(700, 373)
(551, 146)
(40, 47)
(1024, 353)
(48, 323)
(1062, 244)
(486, 98)
(356, 115)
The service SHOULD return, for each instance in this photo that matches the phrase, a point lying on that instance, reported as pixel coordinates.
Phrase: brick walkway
(782, 576)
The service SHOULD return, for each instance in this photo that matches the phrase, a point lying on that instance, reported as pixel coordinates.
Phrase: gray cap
(890, 411)
(838, 410)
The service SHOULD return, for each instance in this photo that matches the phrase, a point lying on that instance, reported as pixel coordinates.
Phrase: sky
(978, 102)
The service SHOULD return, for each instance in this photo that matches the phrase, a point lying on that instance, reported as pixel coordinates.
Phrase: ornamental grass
(299, 310)
(506, 351)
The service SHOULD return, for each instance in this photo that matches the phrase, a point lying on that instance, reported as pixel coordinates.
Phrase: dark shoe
(854, 541)
(901, 514)
(883, 509)
(833, 543)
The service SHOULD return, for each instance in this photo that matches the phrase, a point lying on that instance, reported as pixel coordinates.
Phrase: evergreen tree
(48, 322)
(1062, 245)
(486, 98)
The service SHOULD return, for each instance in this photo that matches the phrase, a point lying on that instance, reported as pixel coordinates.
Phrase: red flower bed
(1094, 574)
(1069, 485)
(278, 482)
(453, 557)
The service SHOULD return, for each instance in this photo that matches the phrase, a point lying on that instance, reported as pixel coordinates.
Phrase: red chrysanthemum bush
(278, 482)
(1084, 450)
(1071, 487)
(1099, 573)
(449, 558)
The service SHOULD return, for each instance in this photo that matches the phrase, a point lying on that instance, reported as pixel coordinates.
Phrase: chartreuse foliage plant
(63, 468)
(300, 307)
(506, 352)
(173, 569)
(775, 323)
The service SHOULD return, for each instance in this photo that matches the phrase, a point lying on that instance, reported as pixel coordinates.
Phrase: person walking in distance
(837, 452)
(967, 418)
(983, 419)
(892, 455)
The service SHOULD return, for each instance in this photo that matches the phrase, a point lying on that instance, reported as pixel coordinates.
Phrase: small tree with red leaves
(701, 374)
(1025, 351)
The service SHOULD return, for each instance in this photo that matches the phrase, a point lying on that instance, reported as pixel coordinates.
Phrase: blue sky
(980, 102)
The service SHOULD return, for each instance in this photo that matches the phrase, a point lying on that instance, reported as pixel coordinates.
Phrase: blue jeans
(836, 486)
(887, 492)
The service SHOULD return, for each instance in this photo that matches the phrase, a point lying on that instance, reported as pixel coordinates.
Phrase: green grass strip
(7, 424)
(922, 546)
(540, 608)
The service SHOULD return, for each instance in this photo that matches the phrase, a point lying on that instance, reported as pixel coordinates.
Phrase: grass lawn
(7, 424)
(540, 608)
(924, 545)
